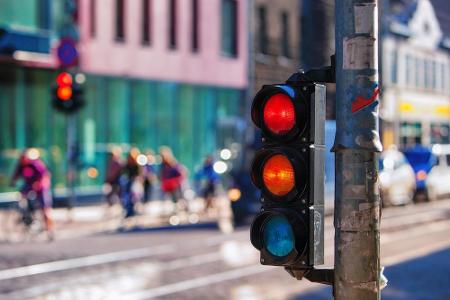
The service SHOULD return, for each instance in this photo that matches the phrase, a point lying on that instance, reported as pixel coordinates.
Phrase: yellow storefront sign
(437, 110)
(443, 110)
(406, 107)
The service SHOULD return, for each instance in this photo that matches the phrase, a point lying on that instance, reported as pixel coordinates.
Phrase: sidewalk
(87, 220)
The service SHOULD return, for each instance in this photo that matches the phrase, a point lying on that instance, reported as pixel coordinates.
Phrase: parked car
(422, 160)
(397, 179)
(438, 180)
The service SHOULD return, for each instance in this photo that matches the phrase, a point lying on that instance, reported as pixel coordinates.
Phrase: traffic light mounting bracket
(323, 75)
(323, 276)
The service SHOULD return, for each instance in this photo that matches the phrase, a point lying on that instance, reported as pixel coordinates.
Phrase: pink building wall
(103, 55)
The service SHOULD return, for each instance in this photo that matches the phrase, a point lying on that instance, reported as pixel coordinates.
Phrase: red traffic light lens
(278, 175)
(64, 93)
(279, 114)
(64, 79)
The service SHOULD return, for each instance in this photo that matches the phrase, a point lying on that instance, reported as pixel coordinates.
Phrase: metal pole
(357, 200)
(71, 159)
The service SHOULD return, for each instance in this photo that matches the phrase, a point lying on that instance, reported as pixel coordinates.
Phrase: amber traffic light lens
(279, 114)
(278, 175)
(64, 93)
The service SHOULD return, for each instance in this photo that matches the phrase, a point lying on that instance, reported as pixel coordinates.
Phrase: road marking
(197, 282)
(251, 270)
(192, 261)
(171, 265)
(415, 231)
(416, 252)
(169, 248)
(86, 261)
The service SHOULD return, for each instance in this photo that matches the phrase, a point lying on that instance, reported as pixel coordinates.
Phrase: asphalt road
(200, 262)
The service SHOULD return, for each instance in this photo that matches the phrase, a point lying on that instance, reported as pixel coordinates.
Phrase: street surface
(199, 262)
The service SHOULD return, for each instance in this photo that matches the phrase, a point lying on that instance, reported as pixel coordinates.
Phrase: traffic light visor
(278, 236)
(278, 175)
(279, 114)
(64, 79)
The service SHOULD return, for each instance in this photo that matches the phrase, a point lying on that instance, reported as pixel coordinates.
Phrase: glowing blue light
(278, 236)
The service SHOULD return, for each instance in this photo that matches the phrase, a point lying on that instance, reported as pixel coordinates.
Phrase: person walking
(133, 183)
(114, 170)
(149, 176)
(36, 188)
(171, 175)
(211, 178)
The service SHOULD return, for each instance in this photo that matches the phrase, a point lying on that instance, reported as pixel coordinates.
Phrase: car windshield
(419, 156)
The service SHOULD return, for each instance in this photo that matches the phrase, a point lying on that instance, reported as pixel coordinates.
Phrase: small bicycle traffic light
(67, 94)
(289, 171)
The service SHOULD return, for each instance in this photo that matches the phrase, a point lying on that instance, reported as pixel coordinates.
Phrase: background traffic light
(289, 170)
(67, 94)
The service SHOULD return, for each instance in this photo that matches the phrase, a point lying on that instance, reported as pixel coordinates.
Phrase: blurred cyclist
(36, 187)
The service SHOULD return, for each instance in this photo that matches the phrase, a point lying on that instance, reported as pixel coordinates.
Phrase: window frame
(230, 48)
(146, 20)
(172, 18)
(119, 20)
(285, 34)
(195, 30)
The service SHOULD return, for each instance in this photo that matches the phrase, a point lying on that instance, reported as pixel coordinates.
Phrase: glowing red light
(279, 114)
(278, 175)
(64, 79)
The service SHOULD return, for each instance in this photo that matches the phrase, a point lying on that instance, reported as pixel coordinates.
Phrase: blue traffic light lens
(278, 236)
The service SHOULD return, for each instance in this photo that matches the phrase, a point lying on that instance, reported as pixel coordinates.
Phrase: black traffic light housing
(300, 139)
(71, 99)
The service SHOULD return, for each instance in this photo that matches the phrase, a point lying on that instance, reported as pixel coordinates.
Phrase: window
(410, 70)
(419, 70)
(172, 24)
(443, 77)
(262, 34)
(434, 70)
(428, 74)
(76, 11)
(92, 19)
(285, 50)
(439, 133)
(146, 11)
(229, 28)
(195, 19)
(44, 13)
(394, 66)
(120, 20)
(410, 134)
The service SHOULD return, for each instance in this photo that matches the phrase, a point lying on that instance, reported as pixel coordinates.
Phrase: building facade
(157, 73)
(415, 107)
(276, 41)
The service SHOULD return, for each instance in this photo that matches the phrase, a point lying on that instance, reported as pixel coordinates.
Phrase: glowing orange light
(92, 172)
(234, 194)
(64, 79)
(64, 93)
(278, 175)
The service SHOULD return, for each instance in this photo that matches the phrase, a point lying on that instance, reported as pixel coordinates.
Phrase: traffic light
(67, 94)
(289, 171)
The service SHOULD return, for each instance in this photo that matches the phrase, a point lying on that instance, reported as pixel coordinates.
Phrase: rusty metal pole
(357, 200)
